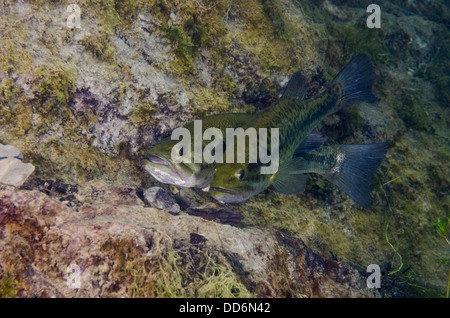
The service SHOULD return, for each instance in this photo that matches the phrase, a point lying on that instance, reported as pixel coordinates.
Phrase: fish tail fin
(355, 81)
(352, 174)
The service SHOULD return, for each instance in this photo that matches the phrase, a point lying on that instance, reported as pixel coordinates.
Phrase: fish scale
(295, 119)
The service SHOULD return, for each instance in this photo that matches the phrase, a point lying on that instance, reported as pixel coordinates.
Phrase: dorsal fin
(356, 80)
(297, 87)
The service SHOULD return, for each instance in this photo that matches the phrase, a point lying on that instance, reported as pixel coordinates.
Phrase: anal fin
(314, 140)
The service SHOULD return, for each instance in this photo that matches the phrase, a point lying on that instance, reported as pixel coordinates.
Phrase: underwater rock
(7, 151)
(14, 172)
(215, 212)
(198, 203)
(192, 198)
(52, 250)
(100, 193)
(158, 198)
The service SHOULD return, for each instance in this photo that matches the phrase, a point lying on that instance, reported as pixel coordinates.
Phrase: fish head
(159, 163)
(237, 182)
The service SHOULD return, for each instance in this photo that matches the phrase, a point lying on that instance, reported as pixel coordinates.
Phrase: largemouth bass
(159, 163)
(296, 118)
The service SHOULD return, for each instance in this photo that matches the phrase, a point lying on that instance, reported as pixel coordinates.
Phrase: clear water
(83, 104)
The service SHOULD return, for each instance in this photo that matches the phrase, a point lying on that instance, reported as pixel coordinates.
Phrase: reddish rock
(41, 239)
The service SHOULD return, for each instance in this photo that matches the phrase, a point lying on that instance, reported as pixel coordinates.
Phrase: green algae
(185, 50)
(411, 110)
(8, 90)
(54, 85)
(126, 10)
(143, 114)
(281, 28)
(350, 40)
(273, 48)
(201, 28)
(99, 45)
(13, 108)
(172, 271)
(442, 228)
(8, 287)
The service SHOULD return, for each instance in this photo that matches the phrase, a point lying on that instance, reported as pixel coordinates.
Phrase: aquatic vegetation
(442, 227)
(387, 229)
(176, 272)
(352, 39)
(143, 114)
(185, 47)
(414, 114)
(8, 286)
(100, 46)
(281, 28)
(54, 85)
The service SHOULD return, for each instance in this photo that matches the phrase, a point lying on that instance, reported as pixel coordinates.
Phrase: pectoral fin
(289, 178)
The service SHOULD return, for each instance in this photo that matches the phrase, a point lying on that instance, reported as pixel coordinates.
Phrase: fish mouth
(161, 168)
(157, 160)
(222, 190)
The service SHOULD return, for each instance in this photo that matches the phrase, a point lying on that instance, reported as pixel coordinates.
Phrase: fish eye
(240, 174)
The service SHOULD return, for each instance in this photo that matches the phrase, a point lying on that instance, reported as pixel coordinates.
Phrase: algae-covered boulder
(83, 101)
(125, 249)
